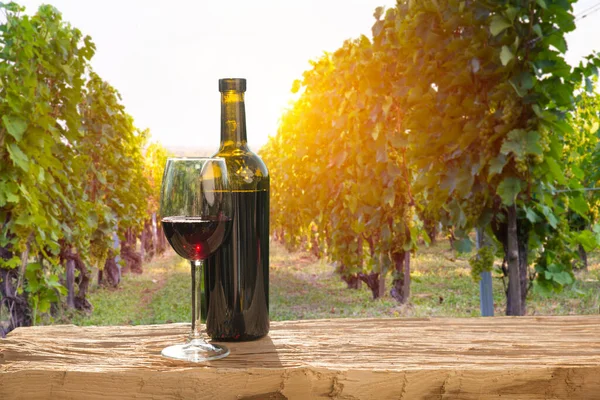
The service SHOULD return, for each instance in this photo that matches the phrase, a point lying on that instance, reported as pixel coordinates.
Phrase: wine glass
(196, 210)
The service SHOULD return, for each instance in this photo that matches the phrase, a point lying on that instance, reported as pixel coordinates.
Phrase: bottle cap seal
(232, 84)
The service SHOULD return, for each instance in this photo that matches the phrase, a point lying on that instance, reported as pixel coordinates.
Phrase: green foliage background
(72, 165)
(460, 110)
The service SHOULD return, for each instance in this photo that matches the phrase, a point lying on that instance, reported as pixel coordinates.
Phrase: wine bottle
(236, 277)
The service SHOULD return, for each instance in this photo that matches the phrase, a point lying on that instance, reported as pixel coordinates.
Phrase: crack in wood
(336, 387)
(265, 396)
(443, 387)
(404, 384)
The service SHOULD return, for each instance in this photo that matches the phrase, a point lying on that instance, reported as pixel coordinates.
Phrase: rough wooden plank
(475, 358)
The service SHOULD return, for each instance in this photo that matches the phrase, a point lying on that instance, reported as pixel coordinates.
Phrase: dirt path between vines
(160, 276)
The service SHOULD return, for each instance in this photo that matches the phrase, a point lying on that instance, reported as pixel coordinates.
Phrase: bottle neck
(233, 121)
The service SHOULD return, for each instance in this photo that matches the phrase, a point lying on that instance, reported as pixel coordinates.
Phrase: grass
(305, 288)
(441, 286)
(133, 301)
(172, 302)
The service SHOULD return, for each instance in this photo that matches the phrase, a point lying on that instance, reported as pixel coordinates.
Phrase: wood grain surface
(429, 358)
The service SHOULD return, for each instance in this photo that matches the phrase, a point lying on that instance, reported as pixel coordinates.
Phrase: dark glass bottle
(236, 277)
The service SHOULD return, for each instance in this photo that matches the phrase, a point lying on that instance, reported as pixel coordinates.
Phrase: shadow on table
(260, 353)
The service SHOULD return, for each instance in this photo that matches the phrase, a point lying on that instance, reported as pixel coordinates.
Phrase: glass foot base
(196, 351)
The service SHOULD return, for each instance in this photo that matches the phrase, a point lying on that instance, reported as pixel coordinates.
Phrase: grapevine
(71, 170)
(466, 108)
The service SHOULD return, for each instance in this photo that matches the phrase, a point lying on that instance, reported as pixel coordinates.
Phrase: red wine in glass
(196, 238)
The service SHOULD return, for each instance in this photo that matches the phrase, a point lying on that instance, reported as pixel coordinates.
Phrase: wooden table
(429, 358)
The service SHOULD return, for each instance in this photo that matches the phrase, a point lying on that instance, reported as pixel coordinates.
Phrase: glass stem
(196, 299)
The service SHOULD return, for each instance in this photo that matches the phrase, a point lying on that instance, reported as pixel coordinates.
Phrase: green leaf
(18, 157)
(15, 126)
(463, 245)
(542, 3)
(53, 282)
(587, 239)
(44, 304)
(498, 24)
(8, 193)
(497, 165)
(464, 182)
(589, 87)
(531, 215)
(538, 30)
(511, 146)
(542, 286)
(456, 213)
(555, 147)
(12, 197)
(92, 220)
(579, 205)
(555, 170)
(522, 83)
(550, 217)
(555, 268)
(509, 189)
(522, 143)
(557, 40)
(31, 274)
(14, 262)
(560, 93)
(532, 143)
(562, 278)
(62, 290)
(511, 13)
(506, 55)
(12, 6)
(563, 17)
(415, 232)
(577, 172)
(564, 127)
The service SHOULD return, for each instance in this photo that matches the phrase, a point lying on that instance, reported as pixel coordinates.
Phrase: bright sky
(165, 57)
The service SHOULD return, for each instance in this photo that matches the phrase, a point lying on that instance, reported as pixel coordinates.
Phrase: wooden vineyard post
(486, 294)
